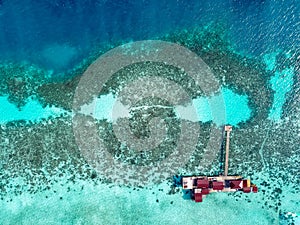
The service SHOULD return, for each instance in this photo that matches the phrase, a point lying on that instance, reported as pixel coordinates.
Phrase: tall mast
(227, 129)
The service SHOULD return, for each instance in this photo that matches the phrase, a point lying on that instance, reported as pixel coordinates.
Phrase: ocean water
(252, 49)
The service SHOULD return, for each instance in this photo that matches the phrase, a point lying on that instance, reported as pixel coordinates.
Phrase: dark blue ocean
(29, 27)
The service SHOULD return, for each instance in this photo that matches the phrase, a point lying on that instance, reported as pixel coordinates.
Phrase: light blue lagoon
(32, 111)
(281, 82)
(226, 107)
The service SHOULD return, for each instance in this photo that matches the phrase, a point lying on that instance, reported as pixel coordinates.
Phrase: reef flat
(38, 157)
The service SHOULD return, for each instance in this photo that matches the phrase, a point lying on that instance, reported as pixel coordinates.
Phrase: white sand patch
(32, 111)
(105, 107)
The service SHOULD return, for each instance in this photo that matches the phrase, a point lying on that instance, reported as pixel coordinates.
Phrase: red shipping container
(202, 183)
(198, 197)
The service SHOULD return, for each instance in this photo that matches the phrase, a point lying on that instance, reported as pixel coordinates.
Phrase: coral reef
(244, 75)
(39, 153)
(20, 81)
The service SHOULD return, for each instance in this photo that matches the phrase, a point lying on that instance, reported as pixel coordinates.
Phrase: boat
(200, 186)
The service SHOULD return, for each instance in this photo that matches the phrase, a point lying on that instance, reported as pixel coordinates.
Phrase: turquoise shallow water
(44, 179)
(282, 83)
(236, 108)
(32, 111)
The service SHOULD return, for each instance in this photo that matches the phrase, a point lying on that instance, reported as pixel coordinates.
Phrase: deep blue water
(30, 28)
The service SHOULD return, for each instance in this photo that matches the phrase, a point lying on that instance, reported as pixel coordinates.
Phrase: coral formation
(41, 152)
(20, 81)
